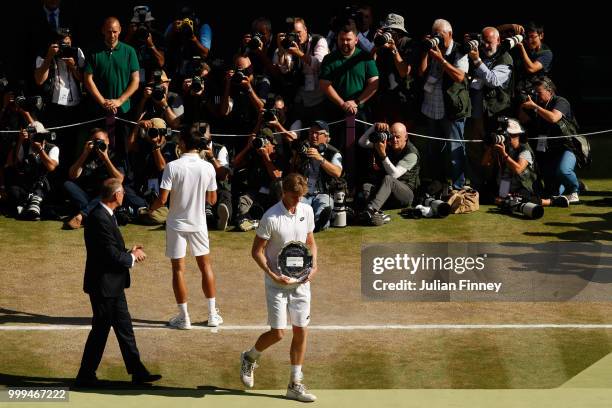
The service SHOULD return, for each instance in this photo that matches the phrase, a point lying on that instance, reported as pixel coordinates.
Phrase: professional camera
(439, 208)
(29, 103)
(256, 42)
(197, 84)
(289, 39)
(500, 135)
(510, 42)
(270, 115)
(66, 51)
(204, 143)
(383, 38)
(239, 76)
(142, 30)
(514, 204)
(412, 213)
(99, 145)
(471, 42)
(32, 209)
(525, 94)
(186, 28)
(433, 42)
(304, 146)
(349, 13)
(43, 137)
(159, 91)
(338, 189)
(157, 132)
(378, 137)
(195, 66)
(263, 138)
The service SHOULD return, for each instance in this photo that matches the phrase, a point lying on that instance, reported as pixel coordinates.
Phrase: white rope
(58, 127)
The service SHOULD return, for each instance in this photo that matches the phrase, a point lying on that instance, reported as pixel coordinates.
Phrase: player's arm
(310, 242)
(258, 254)
(211, 197)
(161, 200)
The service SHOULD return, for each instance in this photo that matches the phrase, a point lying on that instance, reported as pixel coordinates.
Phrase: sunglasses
(155, 132)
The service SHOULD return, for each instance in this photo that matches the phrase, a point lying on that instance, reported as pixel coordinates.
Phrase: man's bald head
(490, 40)
(399, 136)
(111, 30)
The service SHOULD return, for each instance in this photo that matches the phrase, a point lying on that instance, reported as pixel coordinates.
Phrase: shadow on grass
(126, 388)
(14, 316)
(599, 228)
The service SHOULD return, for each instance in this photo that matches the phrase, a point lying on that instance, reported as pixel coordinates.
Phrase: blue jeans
(79, 197)
(565, 174)
(440, 152)
(318, 203)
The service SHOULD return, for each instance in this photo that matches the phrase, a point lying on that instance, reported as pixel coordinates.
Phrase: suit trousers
(110, 312)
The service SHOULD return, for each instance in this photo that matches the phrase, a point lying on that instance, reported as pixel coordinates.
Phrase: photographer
(241, 102)
(29, 162)
(320, 163)
(158, 101)
(186, 37)
(517, 173)
(258, 169)
(302, 59)
(147, 41)
(490, 93)
(95, 164)
(394, 53)
(393, 169)
(151, 149)
(446, 102)
(556, 157)
(259, 46)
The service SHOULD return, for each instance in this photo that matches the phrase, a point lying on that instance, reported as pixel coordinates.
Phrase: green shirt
(112, 71)
(348, 75)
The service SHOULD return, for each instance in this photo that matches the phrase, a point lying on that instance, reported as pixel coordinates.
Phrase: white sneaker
(222, 217)
(297, 391)
(247, 369)
(215, 319)
(573, 198)
(180, 322)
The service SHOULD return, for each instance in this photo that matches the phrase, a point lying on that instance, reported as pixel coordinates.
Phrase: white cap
(142, 9)
(38, 126)
(514, 127)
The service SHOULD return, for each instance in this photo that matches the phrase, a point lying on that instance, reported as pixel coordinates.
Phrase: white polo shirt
(278, 226)
(188, 179)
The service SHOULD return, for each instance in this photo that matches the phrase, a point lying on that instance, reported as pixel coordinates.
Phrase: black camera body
(256, 41)
(195, 66)
(29, 103)
(514, 204)
(304, 146)
(471, 42)
(500, 135)
(378, 137)
(157, 132)
(197, 84)
(270, 115)
(238, 77)
(66, 51)
(159, 91)
(43, 137)
(384, 38)
(525, 94)
(99, 145)
(433, 42)
(289, 39)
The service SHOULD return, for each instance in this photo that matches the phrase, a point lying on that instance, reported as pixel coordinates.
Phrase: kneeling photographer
(517, 174)
(320, 163)
(393, 170)
(29, 162)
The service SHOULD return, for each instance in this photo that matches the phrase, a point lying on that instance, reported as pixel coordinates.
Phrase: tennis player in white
(192, 183)
(288, 220)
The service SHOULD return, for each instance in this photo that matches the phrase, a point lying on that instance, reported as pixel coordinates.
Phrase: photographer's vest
(457, 103)
(529, 176)
(31, 175)
(225, 184)
(497, 99)
(324, 180)
(410, 177)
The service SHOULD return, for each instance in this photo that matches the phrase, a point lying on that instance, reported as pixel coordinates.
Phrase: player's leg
(176, 247)
(199, 245)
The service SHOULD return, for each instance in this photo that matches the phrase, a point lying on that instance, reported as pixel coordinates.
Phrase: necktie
(115, 219)
(52, 21)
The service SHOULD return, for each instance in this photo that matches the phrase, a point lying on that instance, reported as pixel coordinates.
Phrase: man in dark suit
(106, 276)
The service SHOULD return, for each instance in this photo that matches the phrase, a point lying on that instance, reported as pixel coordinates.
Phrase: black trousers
(110, 312)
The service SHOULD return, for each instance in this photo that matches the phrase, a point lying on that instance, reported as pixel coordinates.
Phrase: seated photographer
(393, 169)
(29, 163)
(517, 173)
(95, 164)
(320, 163)
(556, 157)
(395, 55)
(151, 147)
(258, 169)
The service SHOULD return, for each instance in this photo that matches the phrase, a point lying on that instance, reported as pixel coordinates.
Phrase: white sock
(296, 373)
(182, 307)
(211, 306)
(253, 354)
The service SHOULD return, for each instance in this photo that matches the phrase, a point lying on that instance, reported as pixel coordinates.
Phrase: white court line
(50, 327)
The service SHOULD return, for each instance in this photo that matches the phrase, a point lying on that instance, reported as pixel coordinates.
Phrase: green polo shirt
(112, 70)
(348, 75)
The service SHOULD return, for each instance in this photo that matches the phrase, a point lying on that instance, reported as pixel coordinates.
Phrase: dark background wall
(577, 33)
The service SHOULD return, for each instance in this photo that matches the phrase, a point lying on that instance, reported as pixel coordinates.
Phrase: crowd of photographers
(287, 90)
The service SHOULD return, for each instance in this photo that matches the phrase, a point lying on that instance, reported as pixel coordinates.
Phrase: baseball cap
(38, 126)
(158, 123)
(514, 127)
(140, 11)
(394, 21)
(321, 124)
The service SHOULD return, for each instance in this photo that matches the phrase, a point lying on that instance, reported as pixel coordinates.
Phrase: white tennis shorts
(176, 243)
(295, 301)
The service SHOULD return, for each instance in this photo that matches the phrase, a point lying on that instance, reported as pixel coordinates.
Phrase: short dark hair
(295, 183)
(190, 138)
(547, 83)
(95, 130)
(533, 27)
(348, 26)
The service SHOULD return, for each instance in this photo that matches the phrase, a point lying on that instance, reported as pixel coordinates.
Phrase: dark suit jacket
(107, 270)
